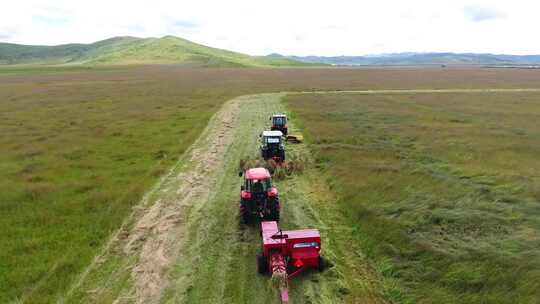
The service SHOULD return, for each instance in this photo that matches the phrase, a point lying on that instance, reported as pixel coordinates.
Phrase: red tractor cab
(279, 123)
(285, 254)
(258, 197)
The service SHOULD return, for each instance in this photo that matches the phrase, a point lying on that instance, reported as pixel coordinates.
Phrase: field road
(133, 264)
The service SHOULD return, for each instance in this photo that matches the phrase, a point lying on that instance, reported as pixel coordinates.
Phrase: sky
(294, 27)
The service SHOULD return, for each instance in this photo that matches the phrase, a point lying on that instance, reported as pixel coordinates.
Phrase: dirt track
(157, 234)
(149, 239)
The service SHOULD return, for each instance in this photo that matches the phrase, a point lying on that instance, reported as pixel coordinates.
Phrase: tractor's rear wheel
(262, 264)
(246, 218)
(244, 215)
(274, 215)
(273, 210)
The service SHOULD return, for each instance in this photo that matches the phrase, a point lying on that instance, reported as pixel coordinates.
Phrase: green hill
(132, 50)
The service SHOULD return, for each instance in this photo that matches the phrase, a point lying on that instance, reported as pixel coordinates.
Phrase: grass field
(442, 190)
(75, 157)
(80, 147)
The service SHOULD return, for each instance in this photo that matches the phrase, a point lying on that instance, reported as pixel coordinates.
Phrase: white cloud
(299, 27)
(480, 13)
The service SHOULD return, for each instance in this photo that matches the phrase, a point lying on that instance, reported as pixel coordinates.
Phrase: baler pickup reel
(286, 254)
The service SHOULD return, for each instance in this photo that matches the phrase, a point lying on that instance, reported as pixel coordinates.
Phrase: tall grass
(440, 189)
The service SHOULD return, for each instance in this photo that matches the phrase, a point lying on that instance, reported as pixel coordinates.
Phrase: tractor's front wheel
(264, 153)
(262, 264)
(282, 155)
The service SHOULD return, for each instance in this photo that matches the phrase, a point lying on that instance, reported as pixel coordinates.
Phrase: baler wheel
(322, 264)
(262, 264)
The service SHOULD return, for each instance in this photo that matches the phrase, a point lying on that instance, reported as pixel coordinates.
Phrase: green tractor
(272, 146)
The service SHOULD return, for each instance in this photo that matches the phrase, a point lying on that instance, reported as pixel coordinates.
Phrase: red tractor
(285, 254)
(279, 123)
(258, 198)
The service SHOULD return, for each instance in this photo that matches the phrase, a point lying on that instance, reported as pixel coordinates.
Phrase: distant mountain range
(175, 50)
(419, 59)
(132, 50)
